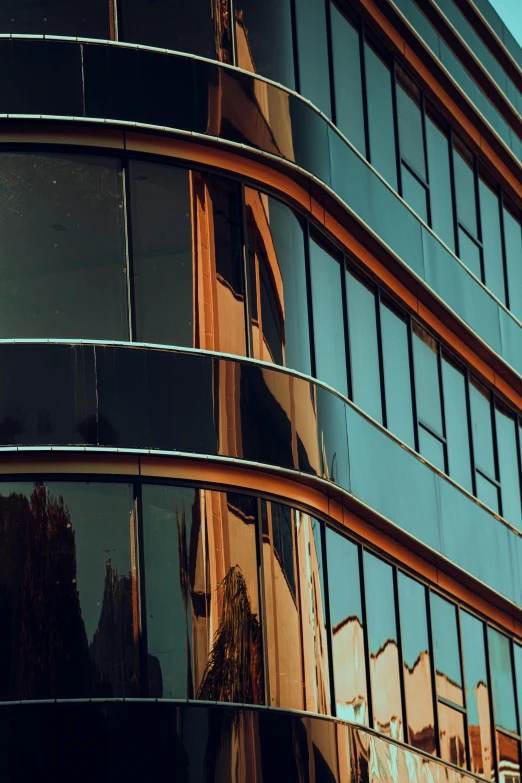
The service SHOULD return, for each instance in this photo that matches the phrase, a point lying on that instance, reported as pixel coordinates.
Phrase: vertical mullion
(246, 276)
(406, 733)
(495, 450)
(503, 244)
(470, 435)
(333, 105)
(362, 57)
(233, 39)
(129, 250)
(366, 635)
(293, 16)
(140, 576)
(454, 192)
(329, 635)
(384, 411)
(114, 20)
(464, 694)
(519, 463)
(347, 344)
(479, 218)
(393, 75)
(433, 673)
(442, 408)
(308, 275)
(413, 385)
(262, 599)
(425, 148)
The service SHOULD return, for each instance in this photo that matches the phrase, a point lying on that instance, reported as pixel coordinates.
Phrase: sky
(510, 11)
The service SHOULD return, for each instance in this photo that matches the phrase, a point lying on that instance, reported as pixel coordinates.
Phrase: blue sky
(510, 11)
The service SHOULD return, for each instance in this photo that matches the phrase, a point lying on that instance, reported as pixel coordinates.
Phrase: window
(397, 375)
(454, 383)
(477, 694)
(429, 408)
(439, 170)
(264, 42)
(86, 18)
(490, 215)
(483, 445)
(348, 88)
(470, 250)
(513, 244)
(411, 135)
(381, 127)
(508, 463)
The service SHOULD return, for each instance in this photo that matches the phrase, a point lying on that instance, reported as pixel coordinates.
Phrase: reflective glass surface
(364, 348)
(470, 254)
(347, 629)
(427, 384)
(499, 647)
(465, 187)
(446, 649)
(480, 401)
(508, 753)
(397, 376)
(431, 448)
(517, 656)
(509, 472)
(346, 59)
(452, 735)
(414, 193)
(62, 247)
(477, 694)
(457, 431)
(383, 648)
(264, 39)
(88, 18)
(440, 182)
(314, 76)
(380, 115)
(410, 123)
(492, 240)
(417, 671)
(513, 245)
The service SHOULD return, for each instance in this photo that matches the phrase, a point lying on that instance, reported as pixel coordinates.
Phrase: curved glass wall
(111, 248)
(121, 589)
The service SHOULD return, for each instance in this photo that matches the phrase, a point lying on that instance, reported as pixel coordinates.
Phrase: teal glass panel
(465, 187)
(492, 240)
(502, 680)
(469, 254)
(410, 124)
(314, 75)
(380, 116)
(477, 694)
(508, 466)
(446, 649)
(414, 194)
(346, 62)
(397, 377)
(441, 198)
(513, 244)
(425, 355)
(457, 430)
(480, 400)
(431, 448)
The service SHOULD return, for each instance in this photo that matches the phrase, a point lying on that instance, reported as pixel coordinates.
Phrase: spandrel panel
(502, 682)
(417, 669)
(384, 652)
(313, 614)
(76, 601)
(310, 139)
(441, 202)
(63, 267)
(282, 631)
(508, 753)
(86, 18)
(364, 349)
(452, 735)
(513, 245)
(380, 116)
(122, 397)
(347, 629)
(480, 402)
(333, 445)
(164, 91)
(397, 376)
(184, 27)
(477, 694)
(457, 431)
(349, 111)
(264, 39)
(429, 409)
(492, 240)
(314, 75)
(161, 253)
(509, 472)
(327, 306)
(446, 649)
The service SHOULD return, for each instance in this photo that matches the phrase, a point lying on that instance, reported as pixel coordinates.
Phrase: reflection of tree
(234, 668)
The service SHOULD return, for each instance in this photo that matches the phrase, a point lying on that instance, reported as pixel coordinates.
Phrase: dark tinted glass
(364, 350)
(469, 254)
(508, 466)
(477, 694)
(452, 735)
(397, 377)
(86, 18)
(414, 193)
(513, 243)
(492, 240)
(502, 680)
(457, 432)
(347, 630)
(418, 689)
(161, 253)
(314, 75)
(333, 444)
(346, 59)
(327, 303)
(441, 198)
(465, 186)
(384, 653)
(480, 400)
(184, 27)
(63, 266)
(410, 123)
(69, 601)
(264, 39)
(446, 649)
(380, 116)
(429, 409)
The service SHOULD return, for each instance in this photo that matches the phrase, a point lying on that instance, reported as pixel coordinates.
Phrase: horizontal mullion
(448, 703)
(415, 174)
(487, 476)
(433, 432)
(468, 233)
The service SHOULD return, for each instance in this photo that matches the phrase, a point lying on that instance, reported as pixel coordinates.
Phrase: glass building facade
(261, 399)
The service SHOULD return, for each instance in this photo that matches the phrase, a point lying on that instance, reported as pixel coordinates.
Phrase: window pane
(346, 620)
(417, 664)
(508, 751)
(68, 607)
(327, 303)
(508, 466)
(427, 386)
(431, 448)
(86, 18)
(477, 694)
(349, 111)
(364, 351)
(469, 254)
(480, 400)
(451, 731)
(384, 653)
(440, 183)
(517, 654)
(492, 240)
(414, 194)
(161, 253)
(279, 574)
(264, 39)
(502, 680)
(465, 186)
(314, 75)
(513, 243)
(487, 492)
(446, 649)
(380, 116)
(62, 247)
(184, 27)
(397, 378)
(457, 432)
(410, 123)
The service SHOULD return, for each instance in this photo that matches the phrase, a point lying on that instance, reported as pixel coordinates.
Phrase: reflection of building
(260, 411)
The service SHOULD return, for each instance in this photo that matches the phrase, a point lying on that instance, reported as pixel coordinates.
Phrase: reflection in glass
(452, 737)
(397, 376)
(349, 107)
(382, 642)
(517, 655)
(502, 680)
(441, 201)
(508, 752)
(68, 593)
(264, 39)
(327, 305)
(62, 247)
(446, 649)
(86, 18)
(161, 253)
(457, 431)
(417, 664)
(380, 115)
(347, 630)
(477, 694)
